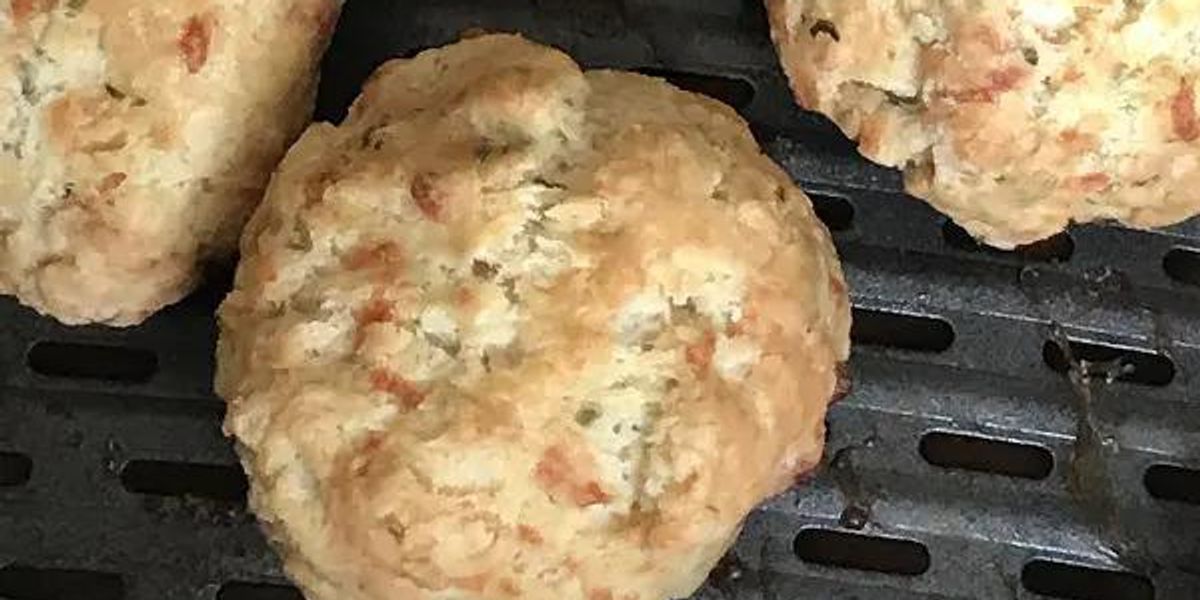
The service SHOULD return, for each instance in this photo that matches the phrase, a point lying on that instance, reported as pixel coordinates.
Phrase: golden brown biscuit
(1014, 117)
(514, 330)
(135, 138)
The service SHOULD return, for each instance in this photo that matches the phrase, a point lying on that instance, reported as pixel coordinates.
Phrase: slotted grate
(972, 459)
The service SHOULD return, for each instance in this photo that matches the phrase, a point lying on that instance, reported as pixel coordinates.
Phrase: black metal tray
(1021, 423)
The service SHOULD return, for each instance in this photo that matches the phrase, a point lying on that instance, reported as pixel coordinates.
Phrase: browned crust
(523, 340)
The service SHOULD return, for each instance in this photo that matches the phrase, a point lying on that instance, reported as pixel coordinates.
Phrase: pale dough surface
(135, 138)
(1014, 117)
(516, 330)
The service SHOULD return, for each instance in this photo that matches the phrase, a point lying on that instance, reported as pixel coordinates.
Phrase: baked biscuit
(514, 330)
(136, 137)
(1014, 117)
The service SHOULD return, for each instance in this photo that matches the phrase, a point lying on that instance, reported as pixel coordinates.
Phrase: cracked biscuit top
(135, 138)
(514, 330)
(1014, 117)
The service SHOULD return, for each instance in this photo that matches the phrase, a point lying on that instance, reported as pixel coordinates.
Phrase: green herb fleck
(29, 89)
(586, 415)
(1031, 56)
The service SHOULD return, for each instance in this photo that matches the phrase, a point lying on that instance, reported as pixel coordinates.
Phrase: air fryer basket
(1021, 423)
